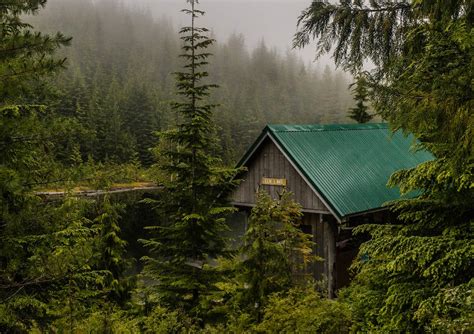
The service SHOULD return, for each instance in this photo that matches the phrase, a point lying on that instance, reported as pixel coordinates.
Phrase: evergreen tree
(24, 54)
(111, 250)
(275, 257)
(275, 251)
(304, 310)
(46, 249)
(143, 124)
(360, 92)
(193, 202)
(419, 274)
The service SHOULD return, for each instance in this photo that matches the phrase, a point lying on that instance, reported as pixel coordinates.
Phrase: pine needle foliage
(276, 256)
(360, 92)
(46, 248)
(24, 53)
(275, 250)
(419, 277)
(111, 250)
(303, 310)
(193, 203)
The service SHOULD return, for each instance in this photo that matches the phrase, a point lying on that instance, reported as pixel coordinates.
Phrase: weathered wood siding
(324, 230)
(269, 162)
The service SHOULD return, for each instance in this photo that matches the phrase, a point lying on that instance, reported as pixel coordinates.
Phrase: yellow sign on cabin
(273, 182)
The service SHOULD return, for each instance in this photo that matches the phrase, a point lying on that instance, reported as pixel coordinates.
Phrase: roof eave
(365, 212)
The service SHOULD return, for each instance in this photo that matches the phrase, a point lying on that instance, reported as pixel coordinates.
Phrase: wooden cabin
(338, 173)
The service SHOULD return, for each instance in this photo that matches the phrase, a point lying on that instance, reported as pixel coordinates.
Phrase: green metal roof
(349, 165)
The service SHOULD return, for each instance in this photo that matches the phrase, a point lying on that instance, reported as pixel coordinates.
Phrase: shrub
(303, 310)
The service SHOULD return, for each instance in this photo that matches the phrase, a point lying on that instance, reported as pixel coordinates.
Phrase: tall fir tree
(416, 276)
(276, 253)
(46, 249)
(361, 96)
(25, 54)
(193, 203)
(143, 124)
(111, 250)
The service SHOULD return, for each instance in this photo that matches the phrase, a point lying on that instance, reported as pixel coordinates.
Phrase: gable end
(267, 160)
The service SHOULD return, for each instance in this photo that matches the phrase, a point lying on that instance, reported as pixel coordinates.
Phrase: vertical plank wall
(324, 229)
(269, 162)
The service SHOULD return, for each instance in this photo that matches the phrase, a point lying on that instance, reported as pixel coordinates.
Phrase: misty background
(273, 21)
(118, 84)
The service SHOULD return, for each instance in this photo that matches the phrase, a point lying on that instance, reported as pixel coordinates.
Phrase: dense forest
(119, 100)
(118, 82)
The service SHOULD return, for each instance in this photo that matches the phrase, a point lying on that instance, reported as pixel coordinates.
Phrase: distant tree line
(118, 83)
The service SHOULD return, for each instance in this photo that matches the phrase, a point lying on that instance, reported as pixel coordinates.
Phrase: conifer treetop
(193, 203)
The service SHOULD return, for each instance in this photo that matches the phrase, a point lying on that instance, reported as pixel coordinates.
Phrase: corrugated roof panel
(349, 164)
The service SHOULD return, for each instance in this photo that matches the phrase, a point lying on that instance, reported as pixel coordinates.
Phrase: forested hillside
(119, 82)
(137, 124)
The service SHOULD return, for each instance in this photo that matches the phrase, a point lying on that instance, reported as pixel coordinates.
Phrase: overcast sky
(271, 20)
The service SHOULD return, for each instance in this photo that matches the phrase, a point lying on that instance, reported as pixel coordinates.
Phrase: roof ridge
(317, 130)
(325, 127)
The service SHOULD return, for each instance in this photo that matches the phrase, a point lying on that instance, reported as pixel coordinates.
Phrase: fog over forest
(274, 21)
(127, 55)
